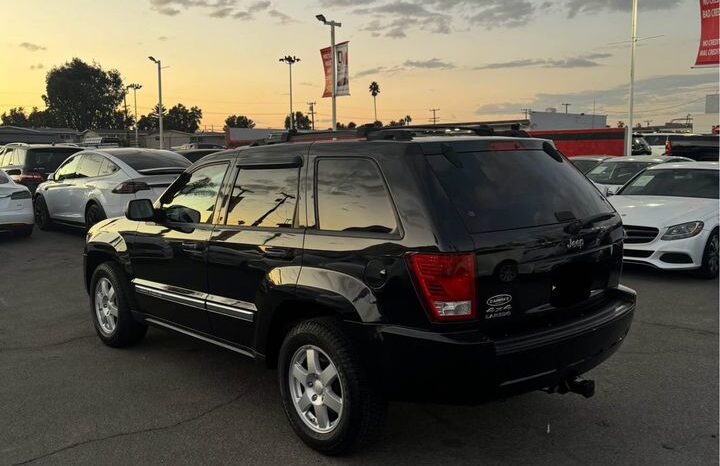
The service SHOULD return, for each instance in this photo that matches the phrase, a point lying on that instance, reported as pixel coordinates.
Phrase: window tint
(47, 160)
(107, 168)
(68, 169)
(352, 196)
(503, 190)
(89, 166)
(264, 198)
(195, 200)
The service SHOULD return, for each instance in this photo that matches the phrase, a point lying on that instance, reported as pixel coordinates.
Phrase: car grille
(639, 235)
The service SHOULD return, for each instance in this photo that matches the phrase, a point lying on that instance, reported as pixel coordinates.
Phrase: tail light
(24, 194)
(447, 285)
(130, 187)
(30, 177)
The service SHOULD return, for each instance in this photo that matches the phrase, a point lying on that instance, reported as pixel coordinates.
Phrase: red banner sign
(343, 84)
(709, 50)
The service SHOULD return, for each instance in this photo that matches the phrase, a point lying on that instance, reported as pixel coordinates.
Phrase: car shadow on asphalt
(652, 273)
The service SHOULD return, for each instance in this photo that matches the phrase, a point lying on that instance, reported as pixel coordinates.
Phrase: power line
(434, 118)
(312, 112)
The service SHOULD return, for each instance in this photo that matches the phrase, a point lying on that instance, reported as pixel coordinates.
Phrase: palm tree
(374, 91)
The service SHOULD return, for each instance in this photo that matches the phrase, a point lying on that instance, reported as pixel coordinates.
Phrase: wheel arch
(97, 253)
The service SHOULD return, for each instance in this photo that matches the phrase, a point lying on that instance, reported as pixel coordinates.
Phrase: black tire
(25, 232)
(127, 331)
(364, 407)
(93, 214)
(710, 260)
(42, 216)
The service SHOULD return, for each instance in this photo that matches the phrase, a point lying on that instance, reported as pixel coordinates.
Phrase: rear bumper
(16, 220)
(467, 367)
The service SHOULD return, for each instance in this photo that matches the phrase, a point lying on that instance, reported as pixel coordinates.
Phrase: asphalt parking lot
(65, 398)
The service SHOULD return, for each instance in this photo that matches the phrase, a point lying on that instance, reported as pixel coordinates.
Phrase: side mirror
(140, 210)
(51, 177)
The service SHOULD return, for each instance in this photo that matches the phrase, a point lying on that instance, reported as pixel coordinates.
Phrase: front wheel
(110, 307)
(328, 397)
(711, 258)
(42, 215)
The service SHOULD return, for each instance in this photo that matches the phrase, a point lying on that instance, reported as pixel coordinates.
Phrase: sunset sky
(472, 59)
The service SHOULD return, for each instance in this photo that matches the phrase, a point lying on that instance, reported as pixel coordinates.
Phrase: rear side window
(505, 190)
(264, 198)
(47, 160)
(352, 196)
(154, 162)
(617, 172)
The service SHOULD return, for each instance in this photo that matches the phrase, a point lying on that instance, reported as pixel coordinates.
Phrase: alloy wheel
(106, 307)
(316, 390)
(713, 258)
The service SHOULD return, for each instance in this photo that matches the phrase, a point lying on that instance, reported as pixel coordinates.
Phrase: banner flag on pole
(709, 48)
(343, 81)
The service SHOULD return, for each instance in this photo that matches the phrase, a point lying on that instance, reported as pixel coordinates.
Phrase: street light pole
(135, 88)
(290, 60)
(633, 27)
(160, 106)
(332, 25)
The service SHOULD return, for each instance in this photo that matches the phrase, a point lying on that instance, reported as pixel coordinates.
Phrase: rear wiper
(575, 226)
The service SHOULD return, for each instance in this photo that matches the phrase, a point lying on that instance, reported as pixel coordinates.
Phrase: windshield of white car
(616, 172)
(676, 183)
(152, 161)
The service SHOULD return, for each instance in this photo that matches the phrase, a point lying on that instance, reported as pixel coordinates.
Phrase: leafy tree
(150, 121)
(239, 121)
(181, 118)
(352, 125)
(404, 121)
(301, 121)
(84, 96)
(620, 124)
(378, 124)
(374, 91)
(15, 117)
(41, 119)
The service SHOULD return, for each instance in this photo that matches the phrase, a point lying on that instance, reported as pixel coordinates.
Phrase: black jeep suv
(398, 264)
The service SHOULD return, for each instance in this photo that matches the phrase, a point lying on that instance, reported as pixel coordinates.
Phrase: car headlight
(683, 230)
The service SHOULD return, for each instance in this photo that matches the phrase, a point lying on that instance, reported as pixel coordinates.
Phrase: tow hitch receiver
(577, 385)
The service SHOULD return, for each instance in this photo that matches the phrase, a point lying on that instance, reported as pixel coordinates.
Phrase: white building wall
(543, 121)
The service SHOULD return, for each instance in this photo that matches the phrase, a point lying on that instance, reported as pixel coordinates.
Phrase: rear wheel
(711, 257)
(328, 397)
(42, 216)
(94, 214)
(110, 306)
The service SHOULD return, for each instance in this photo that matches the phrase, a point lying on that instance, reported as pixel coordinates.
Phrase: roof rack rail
(371, 132)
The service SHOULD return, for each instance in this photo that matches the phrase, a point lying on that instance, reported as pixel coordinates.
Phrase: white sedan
(670, 213)
(16, 210)
(96, 184)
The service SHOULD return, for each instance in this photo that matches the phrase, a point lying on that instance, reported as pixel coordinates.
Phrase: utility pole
(311, 105)
(135, 88)
(434, 118)
(633, 45)
(290, 60)
(647, 122)
(526, 112)
(160, 107)
(566, 107)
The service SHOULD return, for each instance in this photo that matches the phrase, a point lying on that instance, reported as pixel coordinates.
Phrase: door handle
(278, 253)
(191, 246)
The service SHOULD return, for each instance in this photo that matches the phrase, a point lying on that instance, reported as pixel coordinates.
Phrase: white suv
(96, 184)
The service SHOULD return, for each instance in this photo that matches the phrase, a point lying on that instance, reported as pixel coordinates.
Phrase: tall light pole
(290, 60)
(634, 39)
(160, 107)
(332, 25)
(135, 88)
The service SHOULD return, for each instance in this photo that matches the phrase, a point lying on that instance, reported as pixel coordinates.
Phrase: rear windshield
(48, 160)
(584, 165)
(505, 190)
(678, 183)
(153, 161)
(616, 172)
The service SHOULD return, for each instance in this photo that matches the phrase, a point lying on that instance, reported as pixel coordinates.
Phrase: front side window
(352, 196)
(68, 169)
(194, 200)
(264, 198)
